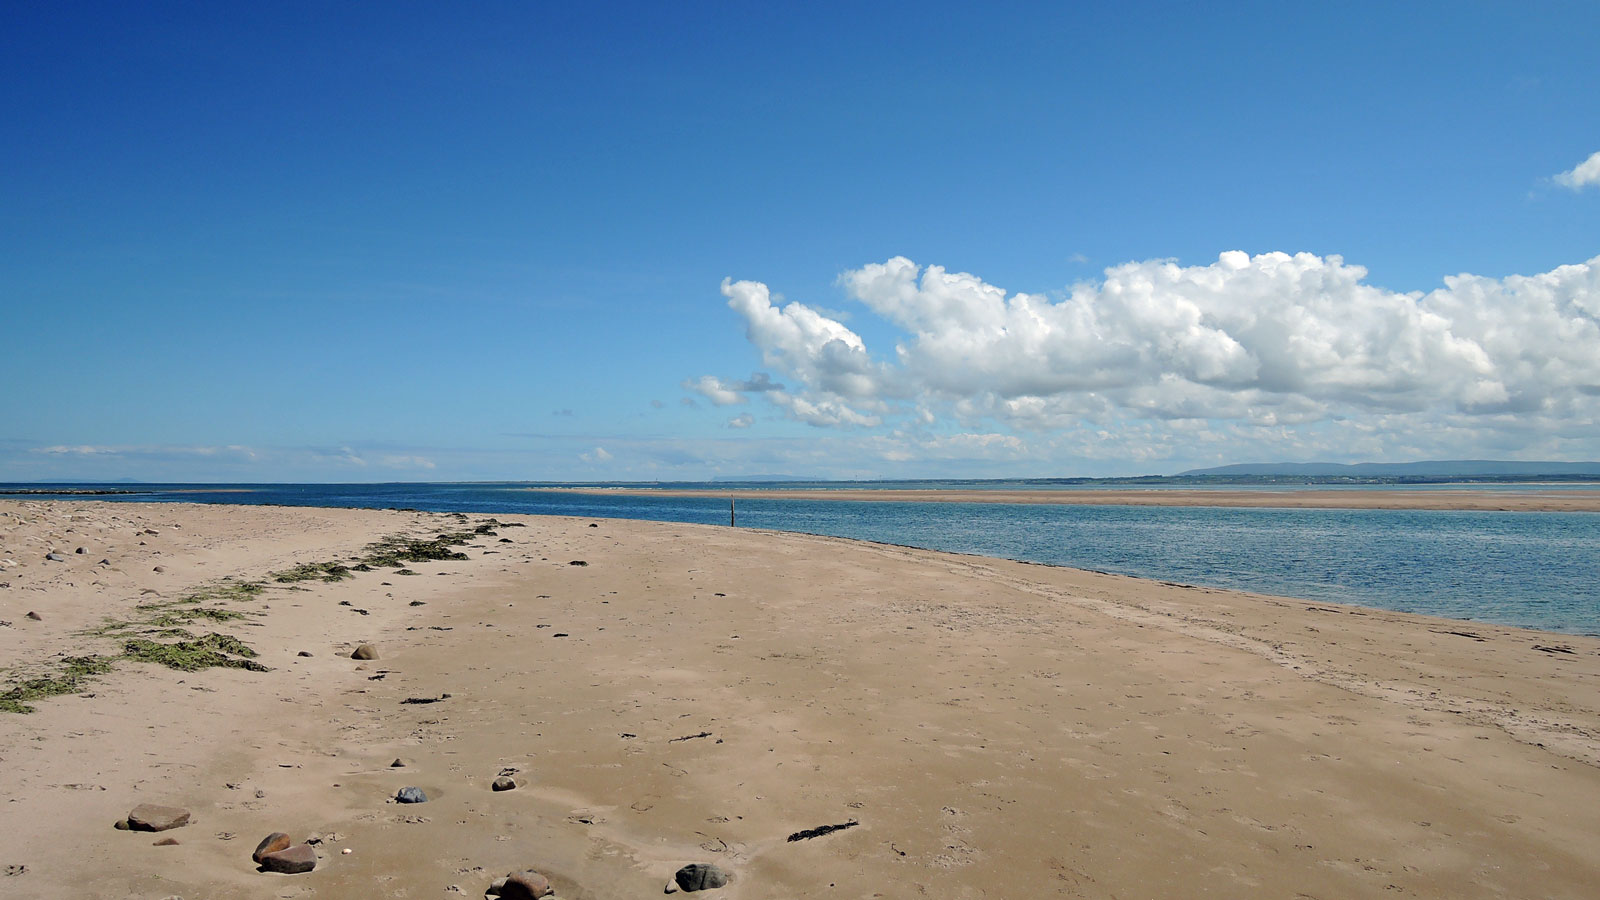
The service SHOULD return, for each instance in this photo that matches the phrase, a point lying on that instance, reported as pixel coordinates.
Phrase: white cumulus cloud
(1583, 174)
(1272, 341)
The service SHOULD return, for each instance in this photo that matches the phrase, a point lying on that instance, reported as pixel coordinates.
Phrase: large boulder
(525, 885)
(272, 843)
(699, 877)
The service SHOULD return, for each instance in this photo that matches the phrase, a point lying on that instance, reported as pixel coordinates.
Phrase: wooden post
(730, 512)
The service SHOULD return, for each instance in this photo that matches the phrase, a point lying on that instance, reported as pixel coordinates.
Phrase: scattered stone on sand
(166, 842)
(291, 860)
(365, 651)
(272, 843)
(305, 653)
(34, 616)
(80, 551)
(55, 557)
(505, 783)
(577, 562)
(525, 885)
(104, 562)
(150, 817)
(410, 795)
(159, 569)
(398, 763)
(698, 877)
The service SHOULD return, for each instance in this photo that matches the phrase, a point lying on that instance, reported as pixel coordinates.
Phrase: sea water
(1531, 569)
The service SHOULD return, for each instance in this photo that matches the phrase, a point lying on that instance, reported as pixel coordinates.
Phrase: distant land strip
(1532, 500)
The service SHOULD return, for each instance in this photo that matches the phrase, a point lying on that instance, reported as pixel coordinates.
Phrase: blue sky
(537, 241)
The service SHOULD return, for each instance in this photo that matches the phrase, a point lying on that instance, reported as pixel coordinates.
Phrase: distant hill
(1439, 468)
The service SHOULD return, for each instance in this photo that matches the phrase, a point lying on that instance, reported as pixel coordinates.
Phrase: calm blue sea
(1533, 569)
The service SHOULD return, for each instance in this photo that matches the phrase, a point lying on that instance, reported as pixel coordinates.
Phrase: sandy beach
(1527, 499)
(665, 694)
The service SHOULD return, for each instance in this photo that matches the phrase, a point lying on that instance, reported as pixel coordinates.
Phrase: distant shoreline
(1399, 498)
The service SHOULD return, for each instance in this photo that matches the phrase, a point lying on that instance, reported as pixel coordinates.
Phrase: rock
(410, 795)
(398, 763)
(159, 569)
(577, 562)
(700, 877)
(34, 616)
(121, 825)
(365, 651)
(166, 842)
(290, 860)
(80, 551)
(272, 843)
(505, 784)
(150, 817)
(525, 885)
(103, 562)
(306, 653)
(55, 557)
(497, 885)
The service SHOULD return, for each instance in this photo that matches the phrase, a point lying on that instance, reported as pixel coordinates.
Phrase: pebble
(504, 783)
(398, 763)
(35, 616)
(410, 795)
(303, 653)
(80, 551)
(290, 860)
(150, 817)
(698, 877)
(272, 843)
(56, 557)
(166, 842)
(365, 651)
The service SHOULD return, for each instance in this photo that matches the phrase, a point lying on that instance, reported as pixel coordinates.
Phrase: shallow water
(1532, 569)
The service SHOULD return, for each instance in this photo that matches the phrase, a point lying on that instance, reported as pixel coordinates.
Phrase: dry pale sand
(695, 693)
(1528, 499)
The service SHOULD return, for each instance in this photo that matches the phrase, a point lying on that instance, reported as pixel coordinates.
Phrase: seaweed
(208, 651)
(72, 677)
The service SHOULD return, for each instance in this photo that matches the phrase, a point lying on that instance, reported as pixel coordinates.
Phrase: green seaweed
(207, 651)
(71, 678)
(323, 571)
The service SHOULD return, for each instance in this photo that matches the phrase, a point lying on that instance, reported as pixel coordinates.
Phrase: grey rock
(303, 653)
(410, 795)
(150, 817)
(504, 783)
(55, 557)
(34, 616)
(159, 569)
(290, 861)
(525, 885)
(700, 877)
(80, 551)
(365, 651)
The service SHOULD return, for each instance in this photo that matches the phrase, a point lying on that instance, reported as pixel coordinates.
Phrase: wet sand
(699, 694)
(1530, 499)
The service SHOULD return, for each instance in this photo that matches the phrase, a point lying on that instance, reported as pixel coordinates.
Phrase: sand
(698, 694)
(1522, 499)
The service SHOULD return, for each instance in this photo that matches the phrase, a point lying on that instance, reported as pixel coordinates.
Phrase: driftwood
(821, 830)
(689, 737)
(426, 699)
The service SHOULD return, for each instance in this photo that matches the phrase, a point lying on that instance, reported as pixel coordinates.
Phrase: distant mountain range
(1438, 468)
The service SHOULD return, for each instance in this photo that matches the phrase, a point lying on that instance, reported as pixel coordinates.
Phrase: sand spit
(1528, 500)
(814, 717)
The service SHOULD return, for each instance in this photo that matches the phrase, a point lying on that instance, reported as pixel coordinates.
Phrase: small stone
(346, 851)
(55, 557)
(398, 763)
(166, 842)
(290, 860)
(410, 795)
(306, 653)
(80, 551)
(159, 569)
(365, 651)
(505, 784)
(700, 877)
(122, 825)
(272, 843)
(577, 562)
(150, 817)
(497, 885)
(34, 616)
(525, 885)
(103, 562)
